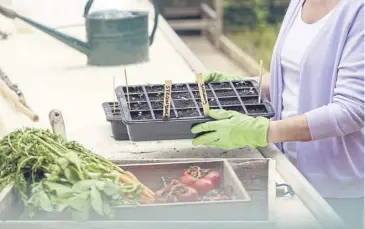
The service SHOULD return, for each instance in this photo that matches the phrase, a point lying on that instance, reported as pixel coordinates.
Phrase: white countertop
(54, 76)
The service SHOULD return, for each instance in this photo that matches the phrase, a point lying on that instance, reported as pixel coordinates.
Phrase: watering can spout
(68, 40)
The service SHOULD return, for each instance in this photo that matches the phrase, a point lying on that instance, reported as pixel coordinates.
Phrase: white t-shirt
(295, 45)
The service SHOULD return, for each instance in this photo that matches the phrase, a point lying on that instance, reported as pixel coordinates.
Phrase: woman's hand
(232, 130)
(219, 77)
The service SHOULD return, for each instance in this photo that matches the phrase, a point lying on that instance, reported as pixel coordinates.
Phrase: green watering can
(114, 37)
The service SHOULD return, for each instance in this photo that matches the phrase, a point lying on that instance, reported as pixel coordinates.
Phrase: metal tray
(252, 173)
(150, 175)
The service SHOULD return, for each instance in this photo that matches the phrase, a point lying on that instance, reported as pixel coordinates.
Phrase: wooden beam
(239, 56)
(207, 11)
(194, 24)
(219, 22)
(174, 12)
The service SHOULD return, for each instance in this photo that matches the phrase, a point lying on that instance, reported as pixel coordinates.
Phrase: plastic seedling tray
(113, 115)
(146, 108)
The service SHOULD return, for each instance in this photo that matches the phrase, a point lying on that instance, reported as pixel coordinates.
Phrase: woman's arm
(291, 129)
(345, 114)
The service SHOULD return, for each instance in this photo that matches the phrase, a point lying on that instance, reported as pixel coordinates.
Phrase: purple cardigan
(332, 95)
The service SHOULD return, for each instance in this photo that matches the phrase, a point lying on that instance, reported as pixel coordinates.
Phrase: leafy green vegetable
(53, 175)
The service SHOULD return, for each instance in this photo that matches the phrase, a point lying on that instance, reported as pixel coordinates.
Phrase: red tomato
(193, 171)
(215, 177)
(186, 194)
(187, 179)
(203, 185)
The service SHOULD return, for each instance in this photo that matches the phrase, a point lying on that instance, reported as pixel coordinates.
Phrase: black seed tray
(143, 121)
(113, 115)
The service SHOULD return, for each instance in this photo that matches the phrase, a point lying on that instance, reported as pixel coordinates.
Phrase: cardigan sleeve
(345, 114)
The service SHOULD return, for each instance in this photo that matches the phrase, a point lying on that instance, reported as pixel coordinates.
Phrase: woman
(316, 86)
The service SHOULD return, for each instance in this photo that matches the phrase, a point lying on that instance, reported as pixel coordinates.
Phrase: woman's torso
(333, 165)
(295, 45)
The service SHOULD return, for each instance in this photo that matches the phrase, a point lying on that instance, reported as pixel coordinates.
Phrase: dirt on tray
(155, 88)
(225, 93)
(209, 94)
(133, 89)
(185, 113)
(246, 91)
(211, 101)
(221, 85)
(157, 104)
(136, 97)
(256, 109)
(141, 115)
(181, 95)
(179, 87)
(229, 101)
(139, 106)
(250, 100)
(159, 114)
(184, 103)
(241, 84)
(234, 108)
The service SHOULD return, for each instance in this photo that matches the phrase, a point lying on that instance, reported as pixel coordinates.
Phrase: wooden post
(219, 21)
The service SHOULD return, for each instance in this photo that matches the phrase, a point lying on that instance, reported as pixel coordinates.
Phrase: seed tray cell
(250, 100)
(185, 103)
(212, 102)
(137, 97)
(243, 84)
(157, 104)
(229, 101)
(256, 109)
(137, 106)
(225, 93)
(159, 96)
(221, 85)
(134, 89)
(195, 87)
(141, 115)
(159, 114)
(197, 94)
(186, 108)
(247, 91)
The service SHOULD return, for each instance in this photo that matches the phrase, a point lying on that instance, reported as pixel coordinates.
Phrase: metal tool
(57, 123)
(12, 93)
(114, 102)
(12, 86)
(260, 82)
(115, 37)
(284, 189)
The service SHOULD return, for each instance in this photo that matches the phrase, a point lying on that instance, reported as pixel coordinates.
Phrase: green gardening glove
(232, 130)
(219, 77)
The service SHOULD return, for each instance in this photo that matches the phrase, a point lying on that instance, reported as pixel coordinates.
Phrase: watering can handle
(87, 7)
(155, 25)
